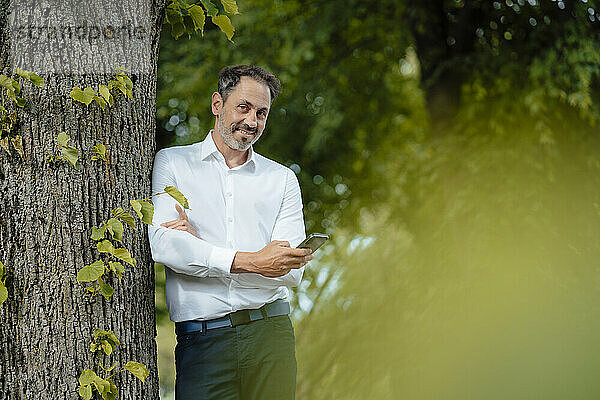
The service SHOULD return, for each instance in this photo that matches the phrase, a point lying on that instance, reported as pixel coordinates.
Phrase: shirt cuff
(221, 259)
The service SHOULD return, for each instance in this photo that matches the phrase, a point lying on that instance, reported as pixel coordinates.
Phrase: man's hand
(274, 260)
(182, 223)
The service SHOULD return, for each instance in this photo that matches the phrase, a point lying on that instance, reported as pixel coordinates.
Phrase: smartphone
(313, 241)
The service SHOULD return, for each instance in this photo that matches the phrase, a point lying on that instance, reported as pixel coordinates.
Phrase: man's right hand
(274, 260)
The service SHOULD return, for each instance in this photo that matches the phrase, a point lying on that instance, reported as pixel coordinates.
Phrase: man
(231, 257)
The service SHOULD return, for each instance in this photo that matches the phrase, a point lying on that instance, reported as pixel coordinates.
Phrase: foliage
(106, 94)
(112, 231)
(67, 153)
(451, 150)
(9, 97)
(184, 17)
(107, 342)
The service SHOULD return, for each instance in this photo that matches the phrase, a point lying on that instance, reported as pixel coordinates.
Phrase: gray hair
(230, 76)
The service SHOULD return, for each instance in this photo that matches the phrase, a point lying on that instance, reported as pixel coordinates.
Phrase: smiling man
(231, 258)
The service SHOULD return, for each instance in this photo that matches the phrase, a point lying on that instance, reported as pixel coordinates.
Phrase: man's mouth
(245, 132)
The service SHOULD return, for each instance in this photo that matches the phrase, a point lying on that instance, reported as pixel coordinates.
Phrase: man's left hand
(182, 223)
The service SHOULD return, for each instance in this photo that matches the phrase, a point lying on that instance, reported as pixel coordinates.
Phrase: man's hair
(230, 76)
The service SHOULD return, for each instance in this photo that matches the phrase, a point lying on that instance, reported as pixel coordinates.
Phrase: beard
(227, 133)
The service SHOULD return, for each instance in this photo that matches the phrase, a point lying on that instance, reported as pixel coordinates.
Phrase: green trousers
(255, 361)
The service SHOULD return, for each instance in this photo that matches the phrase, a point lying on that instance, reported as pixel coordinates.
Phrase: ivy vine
(9, 101)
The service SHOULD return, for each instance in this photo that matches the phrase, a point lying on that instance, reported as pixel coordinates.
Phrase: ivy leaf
(105, 247)
(98, 233)
(63, 139)
(106, 347)
(99, 152)
(2, 270)
(223, 22)
(176, 194)
(211, 9)
(124, 216)
(82, 96)
(87, 377)
(128, 219)
(31, 77)
(177, 30)
(85, 392)
(138, 370)
(3, 293)
(17, 143)
(71, 154)
(117, 268)
(100, 101)
(107, 291)
(116, 228)
(124, 255)
(104, 92)
(230, 6)
(91, 272)
(144, 210)
(197, 14)
(137, 207)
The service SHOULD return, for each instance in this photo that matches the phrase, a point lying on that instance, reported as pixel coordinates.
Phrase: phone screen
(313, 241)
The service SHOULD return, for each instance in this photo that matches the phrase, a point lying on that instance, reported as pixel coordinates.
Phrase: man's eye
(242, 107)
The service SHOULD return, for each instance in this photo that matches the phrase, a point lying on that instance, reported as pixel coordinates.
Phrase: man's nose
(251, 119)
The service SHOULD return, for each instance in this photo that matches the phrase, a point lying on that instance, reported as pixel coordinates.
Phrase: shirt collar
(209, 148)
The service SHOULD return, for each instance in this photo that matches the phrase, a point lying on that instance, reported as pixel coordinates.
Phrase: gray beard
(229, 139)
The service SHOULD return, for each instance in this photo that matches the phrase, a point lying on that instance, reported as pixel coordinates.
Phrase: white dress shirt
(233, 209)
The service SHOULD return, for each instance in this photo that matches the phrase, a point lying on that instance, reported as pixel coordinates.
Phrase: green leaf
(177, 30)
(197, 14)
(99, 152)
(63, 139)
(83, 96)
(223, 22)
(100, 101)
(138, 370)
(176, 194)
(106, 347)
(124, 255)
(110, 335)
(17, 143)
(107, 291)
(85, 392)
(2, 270)
(98, 233)
(87, 377)
(6, 82)
(20, 101)
(117, 268)
(91, 272)
(31, 77)
(71, 154)
(104, 92)
(3, 293)
(116, 228)
(144, 210)
(230, 6)
(105, 247)
(128, 219)
(211, 9)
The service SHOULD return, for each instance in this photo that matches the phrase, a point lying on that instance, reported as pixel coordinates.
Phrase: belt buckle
(240, 317)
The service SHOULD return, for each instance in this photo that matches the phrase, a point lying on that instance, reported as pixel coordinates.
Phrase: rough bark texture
(46, 214)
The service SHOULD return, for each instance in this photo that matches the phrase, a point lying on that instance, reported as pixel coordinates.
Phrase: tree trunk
(47, 209)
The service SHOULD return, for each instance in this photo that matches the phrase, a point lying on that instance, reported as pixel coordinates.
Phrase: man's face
(243, 117)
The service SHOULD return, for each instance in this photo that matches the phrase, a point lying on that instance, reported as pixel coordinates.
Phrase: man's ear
(216, 103)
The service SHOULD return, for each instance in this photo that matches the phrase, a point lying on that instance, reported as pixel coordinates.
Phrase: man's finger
(168, 224)
(181, 212)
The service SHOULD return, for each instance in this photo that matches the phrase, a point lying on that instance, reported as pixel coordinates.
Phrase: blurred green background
(452, 151)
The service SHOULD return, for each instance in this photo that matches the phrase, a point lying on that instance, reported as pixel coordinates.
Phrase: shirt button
(228, 194)
(230, 219)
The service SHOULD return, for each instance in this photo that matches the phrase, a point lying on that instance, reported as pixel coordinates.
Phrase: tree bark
(47, 211)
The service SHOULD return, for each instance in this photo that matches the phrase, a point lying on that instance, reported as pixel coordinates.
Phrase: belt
(241, 317)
